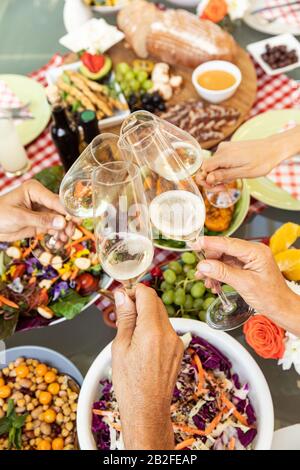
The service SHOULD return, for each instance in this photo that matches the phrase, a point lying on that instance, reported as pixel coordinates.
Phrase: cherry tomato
(19, 271)
(78, 247)
(86, 284)
(156, 272)
(146, 283)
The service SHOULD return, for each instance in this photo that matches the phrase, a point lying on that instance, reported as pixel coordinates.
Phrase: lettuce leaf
(70, 305)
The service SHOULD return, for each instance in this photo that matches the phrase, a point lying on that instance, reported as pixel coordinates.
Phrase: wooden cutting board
(242, 100)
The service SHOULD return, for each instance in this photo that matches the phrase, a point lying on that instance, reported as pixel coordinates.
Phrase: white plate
(259, 23)
(119, 116)
(256, 49)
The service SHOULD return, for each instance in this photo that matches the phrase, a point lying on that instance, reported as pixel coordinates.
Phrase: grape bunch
(182, 294)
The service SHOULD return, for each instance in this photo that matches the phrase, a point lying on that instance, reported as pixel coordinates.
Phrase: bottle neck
(60, 118)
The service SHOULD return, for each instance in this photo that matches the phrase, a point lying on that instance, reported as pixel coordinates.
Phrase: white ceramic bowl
(217, 96)
(242, 363)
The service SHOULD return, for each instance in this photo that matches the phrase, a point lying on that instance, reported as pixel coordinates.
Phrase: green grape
(198, 290)
(169, 276)
(127, 92)
(119, 77)
(134, 85)
(141, 75)
(168, 297)
(186, 315)
(171, 310)
(122, 68)
(202, 315)
(197, 304)
(166, 286)
(175, 266)
(188, 287)
(191, 274)
(123, 86)
(189, 302)
(180, 278)
(179, 297)
(147, 85)
(186, 268)
(207, 302)
(129, 76)
(227, 289)
(188, 257)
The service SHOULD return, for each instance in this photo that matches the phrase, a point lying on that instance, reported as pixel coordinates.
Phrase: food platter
(242, 100)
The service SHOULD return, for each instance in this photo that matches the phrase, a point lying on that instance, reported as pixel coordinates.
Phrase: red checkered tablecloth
(289, 14)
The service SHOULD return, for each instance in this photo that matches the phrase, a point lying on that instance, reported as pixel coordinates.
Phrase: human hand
(32, 209)
(233, 160)
(252, 271)
(146, 357)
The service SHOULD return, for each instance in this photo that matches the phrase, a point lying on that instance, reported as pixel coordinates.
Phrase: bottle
(89, 123)
(65, 137)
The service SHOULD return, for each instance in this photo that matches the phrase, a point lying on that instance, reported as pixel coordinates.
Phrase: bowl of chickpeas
(39, 391)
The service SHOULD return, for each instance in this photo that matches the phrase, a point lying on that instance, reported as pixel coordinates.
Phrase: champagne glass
(176, 206)
(122, 225)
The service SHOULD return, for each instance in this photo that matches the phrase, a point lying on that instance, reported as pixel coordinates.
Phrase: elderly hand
(251, 270)
(146, 357)
(32, 209)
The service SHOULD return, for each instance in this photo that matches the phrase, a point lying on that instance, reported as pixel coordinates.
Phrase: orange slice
(284, 237)
(289, 264)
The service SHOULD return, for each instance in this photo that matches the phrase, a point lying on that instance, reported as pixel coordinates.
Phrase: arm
(146, 357)
(251, 270)
(249, 159)
(29, 210)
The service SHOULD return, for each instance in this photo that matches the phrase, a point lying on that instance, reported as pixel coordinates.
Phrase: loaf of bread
(174, 36)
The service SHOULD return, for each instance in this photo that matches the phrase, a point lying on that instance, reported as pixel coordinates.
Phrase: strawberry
(93, 62)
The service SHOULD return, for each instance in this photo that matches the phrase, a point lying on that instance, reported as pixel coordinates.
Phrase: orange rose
(215, 11)
(264, 337)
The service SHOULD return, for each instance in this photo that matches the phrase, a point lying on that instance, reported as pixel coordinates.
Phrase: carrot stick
(87, 233)
(198, 432)
(231, 444)
(102, 412)
(8, 302)
(75, 242)
(184, 444)
(148, 182)
(236, 414)
(201, 373)
(30, 248)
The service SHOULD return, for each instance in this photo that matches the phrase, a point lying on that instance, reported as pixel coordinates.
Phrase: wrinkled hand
(32, 209)
(146, 357)
(233, 160)
(252, 271)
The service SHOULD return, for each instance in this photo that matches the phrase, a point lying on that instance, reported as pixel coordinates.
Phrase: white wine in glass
(122, 224)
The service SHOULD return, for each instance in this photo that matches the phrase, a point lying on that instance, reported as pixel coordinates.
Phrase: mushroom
(176, 81)
(77, 234)
(14, 252)
(45, 312)
(82, 263)
(160, 73)
(45, 258)
(57, 262)
(165, 90)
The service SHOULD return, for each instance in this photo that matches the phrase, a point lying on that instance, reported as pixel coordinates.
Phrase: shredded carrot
(102, 412)
(236, 414)
(30, 248)
(159, 188)
(214, 423)
(184, 444)
(201, 373)
(9, 303)
(231, 444)
(32, 280)
(75, 242)
(87, 233)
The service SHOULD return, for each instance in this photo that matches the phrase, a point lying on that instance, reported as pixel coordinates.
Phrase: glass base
(219, 319)
(20, 172)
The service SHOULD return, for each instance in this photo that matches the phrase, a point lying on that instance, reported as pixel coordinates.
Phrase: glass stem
(226, 304)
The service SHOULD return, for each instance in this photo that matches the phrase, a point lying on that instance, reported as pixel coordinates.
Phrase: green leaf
(88, 224)
(4, 262)
(19, 420)
(10, 408)
(70, 306)
(11, 437)
(7, 327)
(66, 79)
(95, 270)
(75, 106)
(51, 177)
(4, 425)
(18, 438)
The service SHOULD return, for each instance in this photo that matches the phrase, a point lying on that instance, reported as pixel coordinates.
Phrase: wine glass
(122, 225)
(177, 210)
(76, 187)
